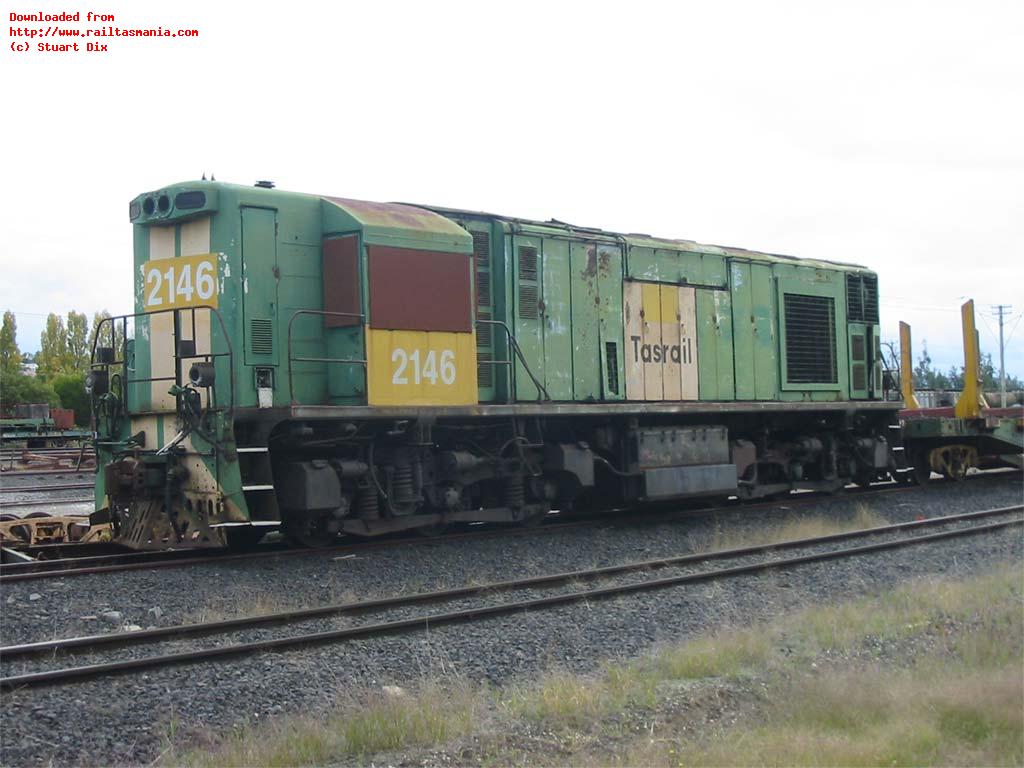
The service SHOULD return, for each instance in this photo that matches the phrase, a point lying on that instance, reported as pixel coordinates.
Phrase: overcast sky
(889, 134)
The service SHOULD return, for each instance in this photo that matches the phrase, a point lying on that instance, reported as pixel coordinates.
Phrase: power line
(989, 329)
(1002, 310)
(1008, 338)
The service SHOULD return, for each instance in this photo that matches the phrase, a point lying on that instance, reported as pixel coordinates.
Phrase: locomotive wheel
(954, 464)
(22, 533)
(308, 529)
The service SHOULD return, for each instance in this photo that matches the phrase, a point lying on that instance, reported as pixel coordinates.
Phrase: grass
(257, 603)
(866, 717)
(376, 722)
(959, 700)
(927, 673)
(795, 527)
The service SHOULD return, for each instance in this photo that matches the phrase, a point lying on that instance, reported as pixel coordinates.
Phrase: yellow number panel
(187, 281)
(421, 367)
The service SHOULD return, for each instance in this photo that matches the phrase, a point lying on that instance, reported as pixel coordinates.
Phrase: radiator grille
(261, 336)
(810, 339)
(862, 298)
(529, 291)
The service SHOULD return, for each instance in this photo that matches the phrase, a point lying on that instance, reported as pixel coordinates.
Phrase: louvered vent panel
(810, 339)
(482, 247)
(862, 298)
(857, 348)
(261, 336)
(484, 369)
(527, 302)
(483, 289)
(527, 263)
(611, 361)
(870, 298)
(484, 309)
(528, 288)
(860, 379)
(854, 299)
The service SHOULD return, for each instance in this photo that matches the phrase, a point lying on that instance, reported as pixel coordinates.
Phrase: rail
(71, 566)
(327, 360)
(385, 627)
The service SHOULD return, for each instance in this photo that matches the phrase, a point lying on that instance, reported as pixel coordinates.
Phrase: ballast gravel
(15, 497)
(125, 720)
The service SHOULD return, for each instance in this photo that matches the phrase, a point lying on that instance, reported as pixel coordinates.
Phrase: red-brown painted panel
(413, 290)
(63, 418)
(341, 280)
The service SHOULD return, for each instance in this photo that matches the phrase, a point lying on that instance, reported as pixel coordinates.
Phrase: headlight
(202, 375)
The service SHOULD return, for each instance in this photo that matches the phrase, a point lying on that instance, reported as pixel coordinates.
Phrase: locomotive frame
(337, 366)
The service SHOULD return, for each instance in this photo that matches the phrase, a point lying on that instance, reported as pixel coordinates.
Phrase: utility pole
(1002, 310)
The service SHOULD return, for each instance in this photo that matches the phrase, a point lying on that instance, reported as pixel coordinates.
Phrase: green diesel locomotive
(332, 366)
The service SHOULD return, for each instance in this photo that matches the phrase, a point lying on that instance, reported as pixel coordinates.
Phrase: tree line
(65, 347)
(926, 376)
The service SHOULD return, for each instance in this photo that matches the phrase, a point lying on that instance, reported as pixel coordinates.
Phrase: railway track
(45, 502)
(84, 562)
(46, 488)
(13, 461)
(9, 474)
(893, 537)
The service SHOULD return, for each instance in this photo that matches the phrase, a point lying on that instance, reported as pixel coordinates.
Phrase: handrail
(322, 313)
(542, 393)
(208, 357)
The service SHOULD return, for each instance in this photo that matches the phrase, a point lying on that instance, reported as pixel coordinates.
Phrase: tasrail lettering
(662, 353)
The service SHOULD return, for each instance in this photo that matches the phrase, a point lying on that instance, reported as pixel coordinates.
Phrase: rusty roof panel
(408, 220)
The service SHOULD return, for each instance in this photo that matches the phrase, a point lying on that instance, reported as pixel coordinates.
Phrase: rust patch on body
(590, 271)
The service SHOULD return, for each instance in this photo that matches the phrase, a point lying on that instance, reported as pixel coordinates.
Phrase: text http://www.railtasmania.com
(80, 32)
